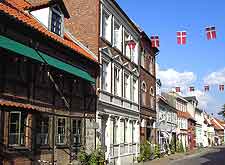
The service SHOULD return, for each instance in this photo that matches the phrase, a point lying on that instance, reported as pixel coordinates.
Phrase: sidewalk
(167, 159)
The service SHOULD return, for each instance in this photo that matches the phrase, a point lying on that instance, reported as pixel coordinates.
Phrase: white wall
(42, 15)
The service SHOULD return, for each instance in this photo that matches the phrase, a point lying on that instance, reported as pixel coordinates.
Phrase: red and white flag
(181, 37)
(192, 89)
(211, 32)
(177, 89)
(221, 87)
(155, 41)
(206, 88)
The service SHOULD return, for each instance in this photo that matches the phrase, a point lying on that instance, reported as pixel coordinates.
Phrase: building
(107, 31)
(180, 104)
(191, 107)
(147, 89)
(199, 127)
(47, 86)
(219, 131)
(209, 130)
(166, 123)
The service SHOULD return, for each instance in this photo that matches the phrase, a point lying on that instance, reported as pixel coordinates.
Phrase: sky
(197, 63)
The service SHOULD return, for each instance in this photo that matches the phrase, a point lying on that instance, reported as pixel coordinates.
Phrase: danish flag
(221, 87)
(206, 87)
(177, 89)
(192, 89)
(155, 41)
(211, 33)
(181, 37)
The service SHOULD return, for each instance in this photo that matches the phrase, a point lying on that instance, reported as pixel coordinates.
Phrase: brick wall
(84, 22)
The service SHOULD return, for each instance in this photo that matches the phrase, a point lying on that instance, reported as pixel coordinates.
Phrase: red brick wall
(84, 22)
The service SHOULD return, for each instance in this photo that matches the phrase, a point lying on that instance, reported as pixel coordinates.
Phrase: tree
(222, 113)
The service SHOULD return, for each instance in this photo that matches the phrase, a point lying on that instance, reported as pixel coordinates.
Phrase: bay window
(61, 131)
(43, 130)
(117, 37)
(106, 25)
(17, 123)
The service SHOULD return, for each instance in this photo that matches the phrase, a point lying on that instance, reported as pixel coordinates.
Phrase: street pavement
(215, 156)
(207, 156)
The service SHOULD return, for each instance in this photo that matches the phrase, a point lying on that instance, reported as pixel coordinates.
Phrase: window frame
(120, 32)
(20, 137)
(61, 15)
(57, 131)
(126, 86)
(103, 33)
(42, 131)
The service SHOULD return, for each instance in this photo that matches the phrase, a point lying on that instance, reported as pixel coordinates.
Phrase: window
(106, 25)
(126, 131)
(122, 131)
(126, 47)
(151, 66)
(117, 89)
(17, 123)
(143, 93)
(105, 73)
(117, 35)
(76, 131)
(134, 91)
(115, 129)
(61, 131)
(143, 59)
(126, 86)
(56, 21)
(152, 98)
(43, 135)
(133, 132)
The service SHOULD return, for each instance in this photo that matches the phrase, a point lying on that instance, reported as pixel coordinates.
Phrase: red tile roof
(185, 115)
(216, 125)
(16, 105)
(15, 8)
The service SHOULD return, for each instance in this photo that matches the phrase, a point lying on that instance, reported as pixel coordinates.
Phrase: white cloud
(215, 78)
(171, 78)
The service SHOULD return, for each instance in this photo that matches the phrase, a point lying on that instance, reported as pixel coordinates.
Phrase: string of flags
(182, 36)
(206, 88)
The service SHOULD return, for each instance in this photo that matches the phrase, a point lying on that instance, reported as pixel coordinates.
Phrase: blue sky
(200, 56)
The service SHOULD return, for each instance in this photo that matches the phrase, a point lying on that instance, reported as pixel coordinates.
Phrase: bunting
(181, 37)
(155, 41)
(210, 33)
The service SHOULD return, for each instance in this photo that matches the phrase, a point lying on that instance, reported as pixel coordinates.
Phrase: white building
(199, 127)
(118, 107)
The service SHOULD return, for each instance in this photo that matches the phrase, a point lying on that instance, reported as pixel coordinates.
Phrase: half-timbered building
(47, 86)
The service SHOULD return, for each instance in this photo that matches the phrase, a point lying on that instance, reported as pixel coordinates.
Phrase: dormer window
(56, 20)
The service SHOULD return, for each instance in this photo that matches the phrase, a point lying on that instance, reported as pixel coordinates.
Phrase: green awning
(24, 50)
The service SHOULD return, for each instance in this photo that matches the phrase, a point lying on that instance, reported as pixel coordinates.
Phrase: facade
(191, 107)
(219, 131)
(47, 86)
(147, 89)
(209, 130)
(180, 104)
(166, 123)
(199, 127)
(108, 32)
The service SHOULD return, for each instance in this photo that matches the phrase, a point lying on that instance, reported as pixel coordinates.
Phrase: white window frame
(134, 89)
(106, 35)
(117, 90)
(43, 137)
(21, 138)
(126, 91)
(120, 38)
(60, 13)
(105, 84)
(59, 136)
(143, 92)
(77, 134)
